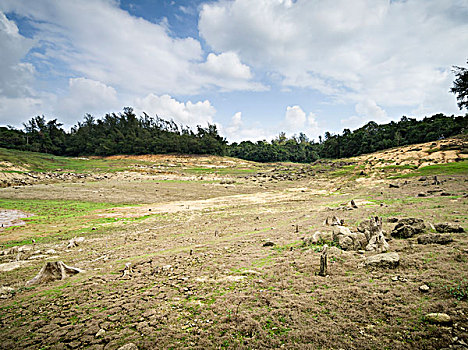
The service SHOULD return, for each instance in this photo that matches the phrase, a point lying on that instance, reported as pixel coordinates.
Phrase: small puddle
(11, 217)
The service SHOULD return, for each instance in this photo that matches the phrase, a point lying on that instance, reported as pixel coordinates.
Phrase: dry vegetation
(175, 257)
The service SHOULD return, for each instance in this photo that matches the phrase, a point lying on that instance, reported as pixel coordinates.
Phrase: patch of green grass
(438, 169)
(459, 290)
(57, 220)
(221, 171)
(42, 162)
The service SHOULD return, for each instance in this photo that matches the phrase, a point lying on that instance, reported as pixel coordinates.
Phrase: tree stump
(52, 271)
(324, 261)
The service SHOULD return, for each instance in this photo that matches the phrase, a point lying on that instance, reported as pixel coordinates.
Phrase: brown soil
(200, 276)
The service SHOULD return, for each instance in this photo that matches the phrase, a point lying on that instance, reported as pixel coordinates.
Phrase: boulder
(434, 238)
(438, 318)
(384, 260)
(448, 228)
(406, 228)
(348, 240)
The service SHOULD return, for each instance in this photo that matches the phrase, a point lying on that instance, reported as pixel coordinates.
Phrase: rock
(129, 346)
(384, 260)
(448, 228)
(318, 237)
(52, 271)
(11, 266)
(75, 242)
(6, 292)
(393, 186)
(424, 288)
(434, 238)
(353, 204)
(446, 194)
(269, 244)
(422, 178)
(408, 227)
(100, 333)
(348, 240)
(51, 251)
(438, 318)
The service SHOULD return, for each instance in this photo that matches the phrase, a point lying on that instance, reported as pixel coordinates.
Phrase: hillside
(216, 252)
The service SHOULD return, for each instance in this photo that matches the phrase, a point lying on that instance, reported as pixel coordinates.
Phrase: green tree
(460, 86)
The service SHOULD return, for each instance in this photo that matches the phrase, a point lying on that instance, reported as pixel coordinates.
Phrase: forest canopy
(125, 133)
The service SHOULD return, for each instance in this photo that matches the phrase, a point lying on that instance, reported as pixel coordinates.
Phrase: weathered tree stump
(52, 271)
(375, 237)
(324, 261)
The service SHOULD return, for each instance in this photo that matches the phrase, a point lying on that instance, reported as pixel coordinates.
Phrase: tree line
(122, 133)
(125, 133)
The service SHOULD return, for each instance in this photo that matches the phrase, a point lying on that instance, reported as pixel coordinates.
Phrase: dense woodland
(125, 133)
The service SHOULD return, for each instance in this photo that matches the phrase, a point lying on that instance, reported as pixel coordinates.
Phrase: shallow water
(12, 217)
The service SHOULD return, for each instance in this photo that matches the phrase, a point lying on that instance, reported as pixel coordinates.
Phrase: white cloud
(236, 123)
(228, 72)
(87, 96)
(296, 121)
(100, 41)
(15, 111)
(166, 107)
(366, 110)
(295, 117)
(391, 52)
(15, 76)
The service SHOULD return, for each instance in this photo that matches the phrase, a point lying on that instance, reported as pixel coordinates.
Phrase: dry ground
(201, 277)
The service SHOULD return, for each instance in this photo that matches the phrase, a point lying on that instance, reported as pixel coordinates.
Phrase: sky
(253, 68)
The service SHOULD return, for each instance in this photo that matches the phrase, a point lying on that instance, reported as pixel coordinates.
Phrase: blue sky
(255, 68)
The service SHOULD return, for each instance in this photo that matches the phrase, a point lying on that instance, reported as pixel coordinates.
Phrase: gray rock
(384, 260)
(434, 238)
(448, 228)
(348, 240)
(438, 318)
(408, 227)
(100, 333)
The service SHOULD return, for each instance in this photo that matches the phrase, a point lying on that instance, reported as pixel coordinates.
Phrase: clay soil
(201, 277)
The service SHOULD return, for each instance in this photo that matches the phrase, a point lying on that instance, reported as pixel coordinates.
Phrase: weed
(459, 291)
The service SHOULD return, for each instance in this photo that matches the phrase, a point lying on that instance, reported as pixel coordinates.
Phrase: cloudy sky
(254, 68)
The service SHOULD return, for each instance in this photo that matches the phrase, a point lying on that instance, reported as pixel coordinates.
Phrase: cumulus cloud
(189, 113)
(391, 52)
(236, 123)
(366, 110)
(87, 96)
(15, 76)
(296, 121)
(228, 72)
(295, 117)
(102, 42)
